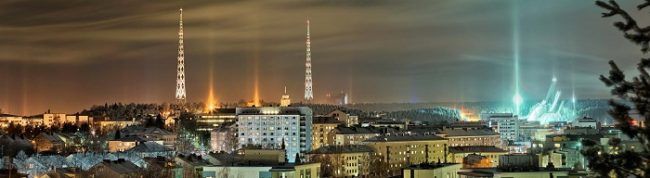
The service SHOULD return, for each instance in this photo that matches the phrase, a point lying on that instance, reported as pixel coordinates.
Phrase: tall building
(507, 125)
(276, 128)
(180, 69)
(309, 93)
(285, 101)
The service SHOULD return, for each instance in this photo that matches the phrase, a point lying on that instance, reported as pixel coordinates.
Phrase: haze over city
(69, 56)
(324, 88)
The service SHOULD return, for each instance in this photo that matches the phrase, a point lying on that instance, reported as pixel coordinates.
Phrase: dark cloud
(67, 55)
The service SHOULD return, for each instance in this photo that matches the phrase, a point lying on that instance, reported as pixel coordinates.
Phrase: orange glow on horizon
(467, 114)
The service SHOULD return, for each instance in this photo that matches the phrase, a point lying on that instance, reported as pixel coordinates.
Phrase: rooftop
(8, 115)
(121, 166)
(467, 132)
(325, 120)
(431, 165)
(405, 137)
(132, 138)
(362, 130)
(50, 137)
(139, 130)
(476, 149)
(342, 149)
(274, 111)
(148, 147)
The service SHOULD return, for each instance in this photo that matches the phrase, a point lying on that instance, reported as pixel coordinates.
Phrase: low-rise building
(263, 156)
(521, 165)
(322, 127)
(301, 170)
(585, 122)
(78, 119)
(345, 118)
(224, 138)
(7, 119)
(160, 167)
(345, 161)
(432, 170)
(126, 143)
(477, 161)
(106, 124)
(533, 131)
(192, 165)
(116, 169)
(354, 135)
(48, 142)
(167, 138)
(470, 137)
(402, 150)
(47, 119)
(151, 150)
(50, 119)
(457, 154)
(496, 173)
(216, 118)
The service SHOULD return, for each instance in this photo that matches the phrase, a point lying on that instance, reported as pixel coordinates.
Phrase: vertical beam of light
(256, 79)
(350, 87)
(210, 102)
(517, 98)
(256, 70)
(256, 55)
(573, 92)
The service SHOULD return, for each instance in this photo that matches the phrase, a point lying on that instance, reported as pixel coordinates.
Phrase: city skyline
(69, 58)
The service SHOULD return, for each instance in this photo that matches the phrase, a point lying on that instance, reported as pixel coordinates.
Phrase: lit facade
(346, 161)
(7, 119)
(352, 135)
(468, 137)
(224, 138)
(107, 125)
(322, 127)
(432, 171)
(458, 154)
(216, 118)
(402, 150)
(507, 125)
(309, 170)
(347, 119)
(276, 127)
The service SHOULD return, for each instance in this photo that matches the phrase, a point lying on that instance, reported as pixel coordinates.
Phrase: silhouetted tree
(328, 164)
(14, 129)
(378, 167)
(118, 135)
(297, 159)
(85, 127)
(69, 128)
(631, 96)
(159, 122)
(149, 122)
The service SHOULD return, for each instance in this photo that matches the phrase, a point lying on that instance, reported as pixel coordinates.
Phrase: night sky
(69, 55)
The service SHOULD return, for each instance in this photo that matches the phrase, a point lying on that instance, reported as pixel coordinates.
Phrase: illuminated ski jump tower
(309, 93)
(180, 69)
